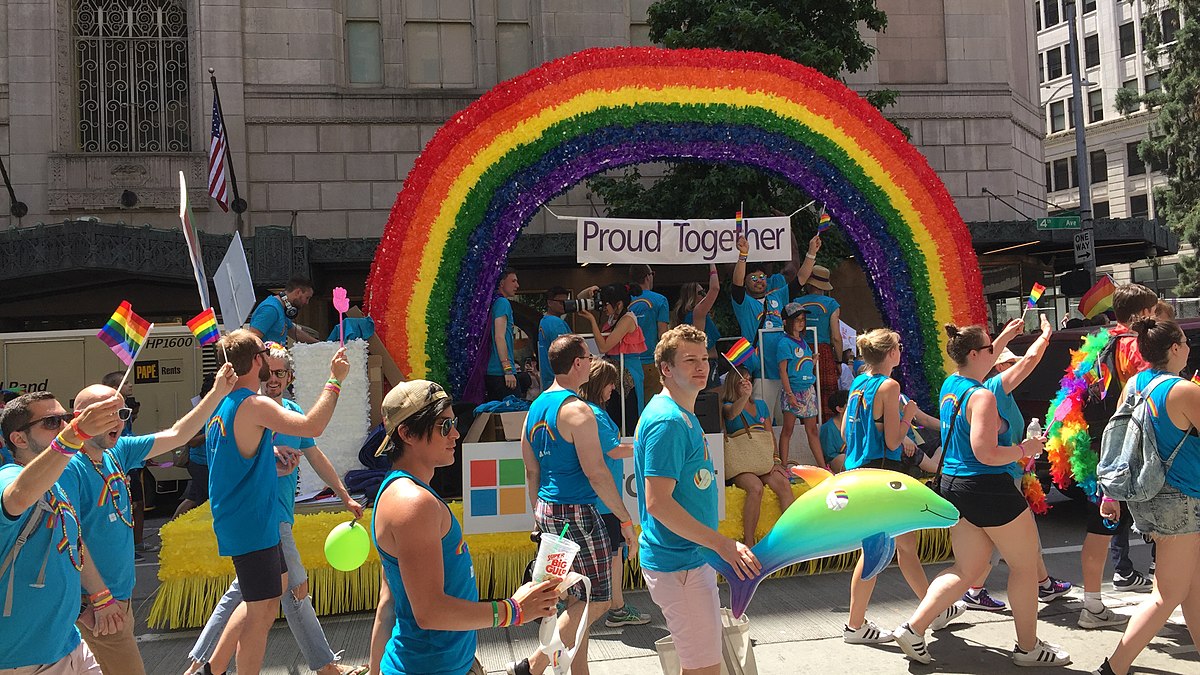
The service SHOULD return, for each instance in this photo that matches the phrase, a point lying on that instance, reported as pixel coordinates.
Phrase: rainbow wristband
(514, 612)
(334, 381)
(66, 451)
(102, 599)
(330, 386)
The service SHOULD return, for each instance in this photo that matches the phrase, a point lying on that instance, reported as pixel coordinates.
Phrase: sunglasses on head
(50, 422)
(447, 425)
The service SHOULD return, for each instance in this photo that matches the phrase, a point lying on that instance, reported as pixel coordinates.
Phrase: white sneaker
(945, 618)
(911, 644)
(1102, 619)
(867, 634)
(1042, 654)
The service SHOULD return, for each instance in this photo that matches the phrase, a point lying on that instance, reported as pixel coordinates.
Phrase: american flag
(218, 174)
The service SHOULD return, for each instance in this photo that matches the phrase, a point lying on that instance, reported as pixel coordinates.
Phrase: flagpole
(132, 361)
(238, 205)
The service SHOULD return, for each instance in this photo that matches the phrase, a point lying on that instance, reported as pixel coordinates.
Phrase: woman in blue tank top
(874, 427)
(1172, 517)
(429, 605)
(994, 513)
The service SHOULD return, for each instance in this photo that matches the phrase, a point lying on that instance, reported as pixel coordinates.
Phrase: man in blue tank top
(98, 476)
(42, 558)
(242, 484)
(565, 474)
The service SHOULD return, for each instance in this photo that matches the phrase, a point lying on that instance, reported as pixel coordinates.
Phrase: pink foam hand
(341, 301)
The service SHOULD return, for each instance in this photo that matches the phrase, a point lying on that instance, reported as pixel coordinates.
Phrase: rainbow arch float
(487, 171)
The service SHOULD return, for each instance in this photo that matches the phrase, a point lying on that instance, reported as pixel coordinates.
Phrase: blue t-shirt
(105, 513)
(561, 478)
(650, 308)
(670, 444)
(832, 443)
(1184, 474)
(820, 308)
(501, 307)
(550, 329)
(610, 437)
(711, 332)
(268, 318)
(5, 458)
(412, 649)
(41, 629)
(959, 457)
(1012, 422)
(750, 312)
(286, 505)
(242, 490)
(863, 433)
(756, 412)
(799, 358)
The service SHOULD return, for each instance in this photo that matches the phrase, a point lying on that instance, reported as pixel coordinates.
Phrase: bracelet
(333, 387)
(1021, 447)
(334, 381)
(64, 447)
(68, 444)
(79, 432)
(1107, 500)
(810, 256)
(626, 523)
(102, 599)
(712, 273)
(495, 614)
(514, 612)
(743, 257)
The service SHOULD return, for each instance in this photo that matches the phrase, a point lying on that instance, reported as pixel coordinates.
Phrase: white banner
(494, 497)
(680, 242)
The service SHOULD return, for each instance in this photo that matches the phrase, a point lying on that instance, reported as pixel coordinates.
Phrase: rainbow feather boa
(1069, 446)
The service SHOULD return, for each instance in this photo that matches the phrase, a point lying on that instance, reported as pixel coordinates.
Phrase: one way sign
(1085, 250)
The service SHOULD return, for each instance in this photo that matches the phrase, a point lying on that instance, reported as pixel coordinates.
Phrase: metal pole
(1081, 153)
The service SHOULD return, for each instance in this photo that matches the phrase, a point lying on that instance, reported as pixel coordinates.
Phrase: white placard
(680, 242)
(495, 498)
(235, 290)
(347, 430)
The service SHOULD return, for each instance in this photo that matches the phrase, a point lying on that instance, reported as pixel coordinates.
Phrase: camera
(572, 305)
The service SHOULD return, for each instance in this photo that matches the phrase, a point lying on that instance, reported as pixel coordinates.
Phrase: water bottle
(1034, 430)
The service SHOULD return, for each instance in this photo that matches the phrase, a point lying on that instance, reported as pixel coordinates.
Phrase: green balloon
(347, 546)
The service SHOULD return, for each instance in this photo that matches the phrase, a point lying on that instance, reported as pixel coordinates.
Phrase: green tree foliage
(822, 34)
(1173, 144)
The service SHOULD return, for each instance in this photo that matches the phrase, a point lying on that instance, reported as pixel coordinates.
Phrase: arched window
(131, 64)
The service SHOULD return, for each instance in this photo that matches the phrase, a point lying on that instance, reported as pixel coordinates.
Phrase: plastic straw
(563, 534)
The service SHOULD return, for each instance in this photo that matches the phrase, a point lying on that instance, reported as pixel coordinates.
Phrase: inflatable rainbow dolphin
(863, 508)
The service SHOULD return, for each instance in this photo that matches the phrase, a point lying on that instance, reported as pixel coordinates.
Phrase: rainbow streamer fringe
(1069, 445)
(488, 170)
(193, 577)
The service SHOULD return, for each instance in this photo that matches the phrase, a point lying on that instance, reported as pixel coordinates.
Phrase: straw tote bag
(748, 451)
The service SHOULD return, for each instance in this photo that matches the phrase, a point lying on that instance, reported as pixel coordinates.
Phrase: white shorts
(692, 608)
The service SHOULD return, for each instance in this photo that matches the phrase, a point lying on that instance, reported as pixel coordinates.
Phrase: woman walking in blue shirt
(1172, 517)
(975, 479)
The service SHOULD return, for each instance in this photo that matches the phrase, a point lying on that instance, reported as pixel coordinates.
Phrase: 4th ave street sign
(1059, 223)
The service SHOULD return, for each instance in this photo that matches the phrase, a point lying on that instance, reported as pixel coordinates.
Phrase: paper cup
(555, 557)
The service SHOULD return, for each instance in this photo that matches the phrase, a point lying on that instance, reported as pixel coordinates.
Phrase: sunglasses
(50, 422)
(757, 277)
(448, 425)
(990, 349)
(281, 373)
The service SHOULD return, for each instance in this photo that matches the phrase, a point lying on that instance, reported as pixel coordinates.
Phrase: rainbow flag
(823, 221)
(1035, 295)
(204, 327)
(1098, 298)
(740, 352)
(124, 332)
(1196, 377)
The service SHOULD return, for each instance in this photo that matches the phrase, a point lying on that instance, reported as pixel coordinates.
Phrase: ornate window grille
(131, 60)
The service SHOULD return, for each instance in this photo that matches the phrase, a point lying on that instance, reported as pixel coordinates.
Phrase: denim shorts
(1169, 513)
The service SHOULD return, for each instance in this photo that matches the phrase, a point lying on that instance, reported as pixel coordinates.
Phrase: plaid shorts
(586, 528)
(807, 400)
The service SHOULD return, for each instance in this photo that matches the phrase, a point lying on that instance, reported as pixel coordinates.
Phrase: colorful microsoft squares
(497, 487)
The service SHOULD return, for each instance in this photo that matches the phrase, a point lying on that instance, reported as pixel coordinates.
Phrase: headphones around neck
(289, 310)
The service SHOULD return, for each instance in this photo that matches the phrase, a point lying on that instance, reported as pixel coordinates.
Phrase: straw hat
(820, 278)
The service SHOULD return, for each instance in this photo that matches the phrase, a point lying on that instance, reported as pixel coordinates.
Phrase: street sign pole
(1081, 154)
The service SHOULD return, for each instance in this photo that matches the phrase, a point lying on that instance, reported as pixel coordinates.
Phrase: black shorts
(1096, 524)
(883, 463)
(613, 525)
(197, 489)
(259, 573)
(986, 500)
(135, 486)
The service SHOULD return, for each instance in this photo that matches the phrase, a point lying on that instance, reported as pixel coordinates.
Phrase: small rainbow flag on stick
(125, 332)
(740, 352)
(1035, 295)
(204, 327)
(823, 221)
(1196, 377)
(1098, 298)
(737, 219)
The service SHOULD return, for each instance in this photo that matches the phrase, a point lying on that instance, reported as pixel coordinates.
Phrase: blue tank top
(412, 649)
(959, 456)
(610, 437)
(1184, 474)
(1012, 422)
(864, 437)
(242, 491)
(561, 480)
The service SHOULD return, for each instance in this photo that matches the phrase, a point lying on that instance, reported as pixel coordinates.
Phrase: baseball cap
(405, 400)
(792, 310)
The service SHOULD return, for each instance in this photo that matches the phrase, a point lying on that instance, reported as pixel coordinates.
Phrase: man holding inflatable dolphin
(677, 504)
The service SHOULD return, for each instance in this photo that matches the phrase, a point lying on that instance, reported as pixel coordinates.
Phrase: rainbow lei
(1070, 445)
(488, 170)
